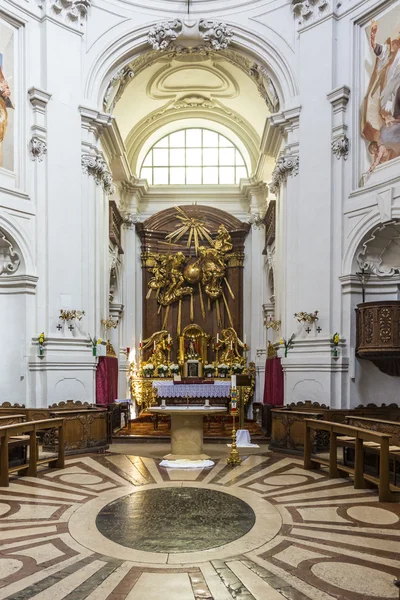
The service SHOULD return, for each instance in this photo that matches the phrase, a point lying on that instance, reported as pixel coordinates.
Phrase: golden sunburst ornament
(195, 227)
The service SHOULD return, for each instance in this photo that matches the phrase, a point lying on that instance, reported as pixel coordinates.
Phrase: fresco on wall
(7, 107)
(380, 123)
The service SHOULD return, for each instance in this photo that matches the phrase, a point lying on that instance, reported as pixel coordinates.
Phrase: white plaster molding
(161, 35)
(97, 167)
(37, 148)
(380, 252)
(10, 259)
(216, 34)
(130, 220)
(285, 166)
(116, 87)
(339, 98)
(95, 121)
(341, 146)
(309, 11)
(204, 33)
(384, 200)
(18, 284)
(38, 98)
(74, 10)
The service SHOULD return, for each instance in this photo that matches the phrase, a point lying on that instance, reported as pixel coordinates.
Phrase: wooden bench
(17, 445)
(30, 428)
(358, 436)
(382, 425)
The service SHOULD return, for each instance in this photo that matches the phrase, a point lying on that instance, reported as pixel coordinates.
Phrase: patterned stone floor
(313, 538)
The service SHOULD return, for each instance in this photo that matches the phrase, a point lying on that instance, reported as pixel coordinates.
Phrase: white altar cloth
(167, 389)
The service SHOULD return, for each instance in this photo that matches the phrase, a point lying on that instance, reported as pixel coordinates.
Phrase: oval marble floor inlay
(180, 519)
(365, 581)
(372, 515)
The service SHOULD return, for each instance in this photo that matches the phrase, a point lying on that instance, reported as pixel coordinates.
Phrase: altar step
(218, 430)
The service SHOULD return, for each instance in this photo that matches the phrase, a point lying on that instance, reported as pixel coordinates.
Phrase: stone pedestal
(187, 430)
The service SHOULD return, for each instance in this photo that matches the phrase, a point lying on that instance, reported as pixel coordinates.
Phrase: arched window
(193, 156)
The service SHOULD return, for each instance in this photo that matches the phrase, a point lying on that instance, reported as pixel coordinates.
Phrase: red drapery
(106, 380)
(273, 388)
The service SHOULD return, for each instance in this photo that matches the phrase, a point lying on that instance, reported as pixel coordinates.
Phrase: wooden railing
(358, 437)
(31, 429)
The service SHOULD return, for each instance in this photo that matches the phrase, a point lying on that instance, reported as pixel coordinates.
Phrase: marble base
(187, 436)
(184, 463)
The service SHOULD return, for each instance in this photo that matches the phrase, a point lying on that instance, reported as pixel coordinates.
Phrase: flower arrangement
(209, 370)
(335, 341)
(287, 344)
(148, 370)
(162, 369)
(94, 341)
(237, 368)
(174, 369)
(41, 344)
(223, 369)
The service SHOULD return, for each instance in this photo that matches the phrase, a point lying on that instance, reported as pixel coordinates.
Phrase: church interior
(200, 299)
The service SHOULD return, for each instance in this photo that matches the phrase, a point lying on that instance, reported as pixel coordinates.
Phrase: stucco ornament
(9, 258)
(116, 87)
(216, 33)
(341, 146)
(73, 9)
(308, 11)
(265, 87)
(98, 168)
(37, 149)
(161, 35)
(285, 166)
(380, 253)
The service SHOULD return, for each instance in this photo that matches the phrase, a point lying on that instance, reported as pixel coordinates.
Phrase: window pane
(160, 158)
(162, 143)
(239, 159)
(160, 175)
(193, 138)
(147, 173)
(210, 138)
(210, 175)
(177, 175)
(227, 175)
(148, 161)
(224, 143)
(210, 156)
(177, 139)
(193, 175)
(193, 157)
(177, 157)
(226, 156)
(241, 173)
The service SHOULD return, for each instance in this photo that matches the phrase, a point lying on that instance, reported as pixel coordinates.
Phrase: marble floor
(120, 527)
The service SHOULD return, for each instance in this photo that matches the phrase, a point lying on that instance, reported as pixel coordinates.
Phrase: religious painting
(7, 107)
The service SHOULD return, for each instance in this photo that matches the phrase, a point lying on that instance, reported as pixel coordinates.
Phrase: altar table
(218, 389)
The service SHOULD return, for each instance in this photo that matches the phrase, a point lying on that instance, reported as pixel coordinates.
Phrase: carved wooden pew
(17, 445)
(30, 428)
(358, 436)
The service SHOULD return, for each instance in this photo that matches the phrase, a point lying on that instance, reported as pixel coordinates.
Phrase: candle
(154, 345)
(217, 338)
(233, 381)
(231, 345)
(245, 339)
(169, 338)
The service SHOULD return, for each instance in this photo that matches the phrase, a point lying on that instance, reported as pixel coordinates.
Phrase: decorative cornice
(37, 148)
(309, 11)
(285, 166)
(207, 34)
(341, 146)
(339, 98)
(74, 10)
(97, 167)
(95, 121)
(38, 98)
